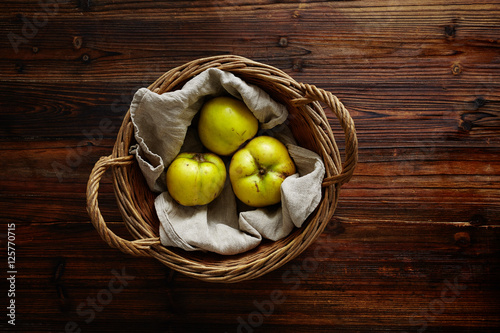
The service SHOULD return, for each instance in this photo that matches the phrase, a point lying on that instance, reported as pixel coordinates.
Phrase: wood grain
(417, 244)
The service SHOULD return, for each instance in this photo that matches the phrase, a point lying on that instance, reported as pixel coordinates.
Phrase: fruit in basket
(225, 124)
(257, 170)
(195, 178)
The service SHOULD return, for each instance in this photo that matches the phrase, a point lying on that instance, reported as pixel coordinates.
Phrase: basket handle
(312, 94)
(138, 247)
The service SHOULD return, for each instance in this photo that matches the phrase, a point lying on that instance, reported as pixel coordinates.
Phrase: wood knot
(86, 58)
(462, 239)
(450, 31)
(465, 125)
(283, 42)
(478, 102)
(456, 69)
(77, 42)
(476, 118)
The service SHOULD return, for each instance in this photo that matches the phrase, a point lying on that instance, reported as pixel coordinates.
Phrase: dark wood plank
(430, 260)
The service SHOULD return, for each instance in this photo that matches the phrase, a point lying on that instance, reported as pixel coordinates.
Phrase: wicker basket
(310, 126)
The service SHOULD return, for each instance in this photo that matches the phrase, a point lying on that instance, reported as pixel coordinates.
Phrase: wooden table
(417, 246)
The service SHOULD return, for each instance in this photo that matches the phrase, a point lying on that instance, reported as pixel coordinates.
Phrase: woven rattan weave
(307, 119)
